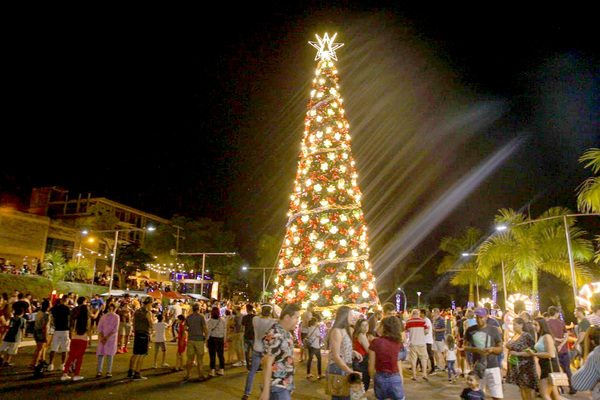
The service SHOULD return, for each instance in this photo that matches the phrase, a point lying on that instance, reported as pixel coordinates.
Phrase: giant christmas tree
(325, 255)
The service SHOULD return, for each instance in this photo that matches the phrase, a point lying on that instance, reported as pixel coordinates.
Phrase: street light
(114, 253)
(419, 300)
(246, 268)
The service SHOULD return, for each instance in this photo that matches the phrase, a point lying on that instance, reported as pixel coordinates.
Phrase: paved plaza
(164, 384)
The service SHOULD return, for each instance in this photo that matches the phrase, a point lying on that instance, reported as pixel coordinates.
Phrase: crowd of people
(480, 345)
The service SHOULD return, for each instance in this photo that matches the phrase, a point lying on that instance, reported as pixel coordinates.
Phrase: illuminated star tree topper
(326, 48)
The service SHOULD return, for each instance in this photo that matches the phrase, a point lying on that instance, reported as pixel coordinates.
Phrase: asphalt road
(164, 384)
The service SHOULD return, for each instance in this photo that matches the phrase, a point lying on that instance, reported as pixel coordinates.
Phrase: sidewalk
(163, 382)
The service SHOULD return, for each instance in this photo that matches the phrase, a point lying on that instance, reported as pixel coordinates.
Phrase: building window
(64, 246)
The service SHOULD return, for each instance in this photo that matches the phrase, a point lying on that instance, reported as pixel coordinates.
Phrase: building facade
(55, 222)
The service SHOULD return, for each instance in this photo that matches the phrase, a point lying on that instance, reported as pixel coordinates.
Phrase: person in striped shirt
(588, 376)
(417, 329)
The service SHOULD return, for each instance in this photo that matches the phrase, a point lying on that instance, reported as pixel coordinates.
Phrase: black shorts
(140, 344)
(39, 336)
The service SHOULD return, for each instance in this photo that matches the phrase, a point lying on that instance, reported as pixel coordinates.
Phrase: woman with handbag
(521, 364)
(360, 344)
(383, 360)
(217, 332)
(545, 351)
(341, 352)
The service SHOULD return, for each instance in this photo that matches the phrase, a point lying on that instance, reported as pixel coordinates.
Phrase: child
(160, 337)
(181, 342)
(450, 357)
(12, 339)
(472, 392)
(357, 389)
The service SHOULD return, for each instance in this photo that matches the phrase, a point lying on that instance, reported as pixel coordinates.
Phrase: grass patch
(41, 287)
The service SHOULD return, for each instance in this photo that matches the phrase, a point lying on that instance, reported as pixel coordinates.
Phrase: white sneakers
(67, 377)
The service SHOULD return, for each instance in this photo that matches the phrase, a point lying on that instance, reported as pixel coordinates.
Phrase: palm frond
(588, 197)
(592, 156)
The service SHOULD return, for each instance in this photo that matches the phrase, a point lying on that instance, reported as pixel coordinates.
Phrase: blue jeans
(256, 359)
(565, 362)
(450, 368)
(248, 344)
(280, 394)
(388, 386)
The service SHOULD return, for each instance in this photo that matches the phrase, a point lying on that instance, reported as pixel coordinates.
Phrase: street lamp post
(264, 278)
(419, 300)
(116, 231)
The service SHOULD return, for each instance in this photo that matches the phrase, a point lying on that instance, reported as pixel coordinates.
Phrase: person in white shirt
(160, 337)
(176, 311)
(429, 340)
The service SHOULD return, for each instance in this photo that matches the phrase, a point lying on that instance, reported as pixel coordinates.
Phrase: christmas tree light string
(324, 258)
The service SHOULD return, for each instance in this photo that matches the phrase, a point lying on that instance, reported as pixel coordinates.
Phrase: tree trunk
(535, 295)
(471, 295)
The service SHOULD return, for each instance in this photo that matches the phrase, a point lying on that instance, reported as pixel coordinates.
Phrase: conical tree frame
(324, 258)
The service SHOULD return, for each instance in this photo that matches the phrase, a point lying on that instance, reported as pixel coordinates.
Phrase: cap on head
(147, 300)
(481, 311)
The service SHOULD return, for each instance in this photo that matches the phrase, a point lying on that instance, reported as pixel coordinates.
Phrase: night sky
(453, 112)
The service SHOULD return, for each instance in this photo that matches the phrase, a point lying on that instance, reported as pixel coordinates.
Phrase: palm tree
(528, 248)
(464, 268)
(588, 199)
(57, 269)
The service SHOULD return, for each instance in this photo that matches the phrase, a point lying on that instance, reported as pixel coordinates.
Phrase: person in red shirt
(561, 336)
(360, 344)
(383, 360)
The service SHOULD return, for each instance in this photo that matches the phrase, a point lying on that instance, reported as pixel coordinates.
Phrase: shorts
(417, 351)
(60, 342)
(40, 336)
(388, 386)
(195, 347)
(492, 383)
(439, 345)
(140, 344)
(10, 348)
(125, 329)
(160, 345)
